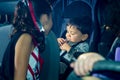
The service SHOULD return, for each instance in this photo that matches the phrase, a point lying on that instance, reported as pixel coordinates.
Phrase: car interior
(61, 14)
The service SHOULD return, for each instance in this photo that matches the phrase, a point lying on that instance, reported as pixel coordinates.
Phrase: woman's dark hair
(82, 24)
(23, 21)
(112, 15)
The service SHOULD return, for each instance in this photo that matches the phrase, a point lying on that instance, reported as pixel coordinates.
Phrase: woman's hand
(84, 64)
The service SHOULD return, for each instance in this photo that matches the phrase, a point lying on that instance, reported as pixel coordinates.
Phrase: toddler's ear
(85, 36)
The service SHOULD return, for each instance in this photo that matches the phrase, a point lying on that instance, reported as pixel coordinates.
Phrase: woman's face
(47, 23)
(73, 34)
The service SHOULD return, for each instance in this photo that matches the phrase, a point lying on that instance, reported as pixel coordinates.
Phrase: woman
(22, 57)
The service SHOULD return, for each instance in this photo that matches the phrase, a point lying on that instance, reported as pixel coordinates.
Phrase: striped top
(34, 65)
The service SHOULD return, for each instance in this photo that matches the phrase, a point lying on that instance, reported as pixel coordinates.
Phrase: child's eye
(72, 34)
(68, 32)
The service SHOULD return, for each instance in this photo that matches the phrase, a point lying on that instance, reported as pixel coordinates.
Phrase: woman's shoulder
(20, 36)
(23, 37)
(25, 40)
(26, 37)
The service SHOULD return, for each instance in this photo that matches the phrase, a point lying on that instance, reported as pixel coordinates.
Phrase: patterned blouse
(34, 66)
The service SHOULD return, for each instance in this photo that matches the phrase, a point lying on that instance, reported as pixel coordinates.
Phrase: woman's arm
(23, 49)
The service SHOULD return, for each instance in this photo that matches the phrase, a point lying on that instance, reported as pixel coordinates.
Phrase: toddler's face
(73, 34)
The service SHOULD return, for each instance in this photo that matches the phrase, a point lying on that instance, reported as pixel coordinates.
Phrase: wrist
(68, 49)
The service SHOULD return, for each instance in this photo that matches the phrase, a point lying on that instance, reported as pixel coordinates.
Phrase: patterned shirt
(35, 62)
(76, 49)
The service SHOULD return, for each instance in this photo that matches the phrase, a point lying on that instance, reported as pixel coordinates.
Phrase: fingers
(61, 41)
(82, 69)
(87, 67)
(77, 68)
(84, 63)
(83, 66)
(72, 64)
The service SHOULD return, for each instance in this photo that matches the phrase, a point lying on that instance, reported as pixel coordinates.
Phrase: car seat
(4, 39)
(105, 36)
(75, 9)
